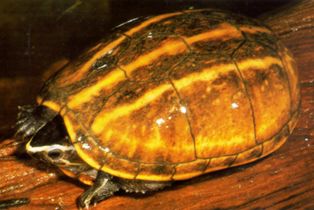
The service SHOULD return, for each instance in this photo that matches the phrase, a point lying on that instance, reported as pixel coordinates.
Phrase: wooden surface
(284, 180)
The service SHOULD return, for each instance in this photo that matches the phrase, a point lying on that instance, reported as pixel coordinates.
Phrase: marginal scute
(117, 166)
(191, 169)
(249, 155)
(220, 162)
(173, 96)
(160, 172)
(292, 74)
(293, 122)
(276, 141)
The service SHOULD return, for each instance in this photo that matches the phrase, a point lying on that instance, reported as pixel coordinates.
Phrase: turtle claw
(30, 119)
(25, 122)
(102, 188)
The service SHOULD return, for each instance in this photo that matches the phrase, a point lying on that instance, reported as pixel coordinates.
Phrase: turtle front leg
(31, 119)
(102, 188)
(106, 185)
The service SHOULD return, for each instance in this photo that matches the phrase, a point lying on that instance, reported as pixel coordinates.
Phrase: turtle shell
(177, 95)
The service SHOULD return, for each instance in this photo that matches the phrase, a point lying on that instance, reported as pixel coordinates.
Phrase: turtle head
(45, 135)
(47, 140)
(51, 144)
(56, 153)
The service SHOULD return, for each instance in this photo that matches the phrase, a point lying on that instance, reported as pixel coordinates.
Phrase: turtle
(165, 98)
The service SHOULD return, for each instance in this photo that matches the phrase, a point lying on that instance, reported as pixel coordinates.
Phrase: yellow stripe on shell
(223, 31)
(207, 74)
(151, 21)
(87, 94)
(151, 95)
(52, 105)
(254, 29)
(87, 65)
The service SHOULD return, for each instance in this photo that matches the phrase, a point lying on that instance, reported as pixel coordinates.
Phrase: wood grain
(284, 180)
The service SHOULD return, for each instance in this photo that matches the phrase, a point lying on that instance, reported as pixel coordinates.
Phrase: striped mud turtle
(165, 98)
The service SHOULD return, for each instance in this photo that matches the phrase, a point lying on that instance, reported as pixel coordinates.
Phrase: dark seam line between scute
(124, 72)
(186, 116)
(174, 171)
(262, 148)
(138, 170)
(249, 98)
(207, 165)
(244, 85)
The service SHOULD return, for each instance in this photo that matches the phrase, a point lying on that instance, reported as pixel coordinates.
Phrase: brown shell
(178, 95)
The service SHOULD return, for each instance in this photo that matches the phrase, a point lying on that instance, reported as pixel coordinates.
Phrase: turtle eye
(55, 154)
